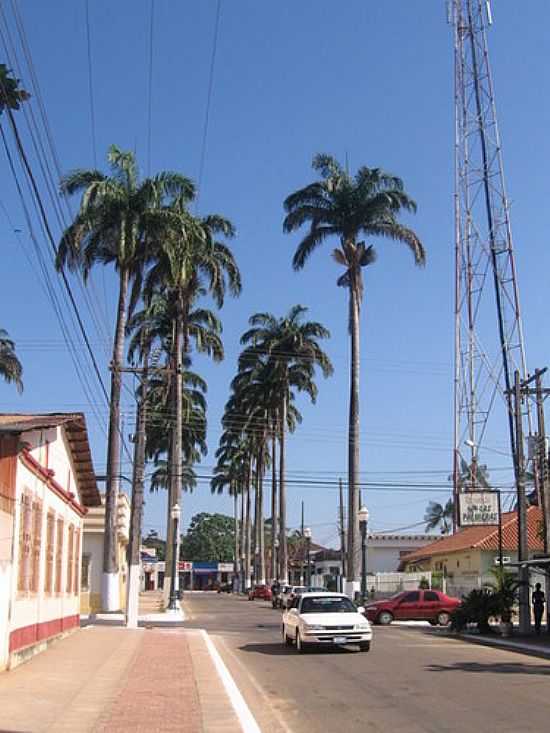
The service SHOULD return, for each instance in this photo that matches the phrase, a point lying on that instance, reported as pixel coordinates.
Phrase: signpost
(481, 508)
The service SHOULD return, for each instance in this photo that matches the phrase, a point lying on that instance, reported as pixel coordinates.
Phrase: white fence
(386, 584)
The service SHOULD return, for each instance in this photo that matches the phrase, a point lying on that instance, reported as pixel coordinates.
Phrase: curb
(508, 646)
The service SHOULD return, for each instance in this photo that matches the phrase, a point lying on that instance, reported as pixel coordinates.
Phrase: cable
(150, 86)
(90, 82)
(208, 103)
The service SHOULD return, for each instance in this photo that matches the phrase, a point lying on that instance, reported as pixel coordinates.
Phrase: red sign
(185, 566)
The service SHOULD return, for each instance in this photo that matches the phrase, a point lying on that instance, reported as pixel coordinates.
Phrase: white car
(289, 593)
(325, 619)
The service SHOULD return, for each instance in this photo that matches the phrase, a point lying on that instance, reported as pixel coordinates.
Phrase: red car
(263, 592)
(417, 605)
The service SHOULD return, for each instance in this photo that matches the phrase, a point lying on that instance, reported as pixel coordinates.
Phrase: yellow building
(92, 554)
(466, 557)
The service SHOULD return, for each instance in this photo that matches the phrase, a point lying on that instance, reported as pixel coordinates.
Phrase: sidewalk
(536, 646)
(112, 680)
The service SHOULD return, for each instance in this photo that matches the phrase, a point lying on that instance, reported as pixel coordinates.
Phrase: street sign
(225, 567)
(478, 507)
(185, 566)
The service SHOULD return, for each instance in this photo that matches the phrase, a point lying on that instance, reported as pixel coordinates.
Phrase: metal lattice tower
(489, 343)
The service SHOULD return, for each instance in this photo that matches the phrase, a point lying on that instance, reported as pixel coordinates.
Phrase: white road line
(246, 719)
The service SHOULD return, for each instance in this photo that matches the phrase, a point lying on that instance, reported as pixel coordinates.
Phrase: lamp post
(363, 521)
(175, 514)
(276, 546)
(307, 535)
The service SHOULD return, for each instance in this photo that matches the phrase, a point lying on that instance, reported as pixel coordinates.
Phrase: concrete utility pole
(523, 550)
(542, 456)
(136, 511)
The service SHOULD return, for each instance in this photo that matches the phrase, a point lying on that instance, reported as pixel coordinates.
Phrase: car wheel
(300, 646)
(443, 618)
(286, 638)
(432, 622)
(384, 618)
(365, 647)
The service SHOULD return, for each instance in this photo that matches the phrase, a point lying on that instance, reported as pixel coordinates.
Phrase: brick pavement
(113, 680)
(158, 692)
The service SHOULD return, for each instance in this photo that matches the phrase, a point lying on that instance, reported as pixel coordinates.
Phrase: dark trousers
(538, 610)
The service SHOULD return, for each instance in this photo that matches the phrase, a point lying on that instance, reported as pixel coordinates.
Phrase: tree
(437, 516)
(112, 227)
(344, 207)
(156, 543)
(11, 94)
(10, 366)
(209, 538)
(188, 262)
(285, 352)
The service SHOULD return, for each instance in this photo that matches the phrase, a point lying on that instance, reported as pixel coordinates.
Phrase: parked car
(263, 592)
(417, 605)
(291, 592)
(325, 619)
(277, 600)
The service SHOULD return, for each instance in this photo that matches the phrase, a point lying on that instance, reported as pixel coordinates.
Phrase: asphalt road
(412, 680)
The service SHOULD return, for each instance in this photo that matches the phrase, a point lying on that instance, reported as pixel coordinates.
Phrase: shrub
(424, 584)
(476, 608)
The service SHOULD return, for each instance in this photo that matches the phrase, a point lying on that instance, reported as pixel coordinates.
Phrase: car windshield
(315, 589)
(299, 589)
(327, 604)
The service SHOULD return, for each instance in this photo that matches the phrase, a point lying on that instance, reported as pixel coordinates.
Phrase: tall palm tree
(188, 261)
(10, 366)
(439, 517)
(291, 349)
(344, 207)
(111, 228)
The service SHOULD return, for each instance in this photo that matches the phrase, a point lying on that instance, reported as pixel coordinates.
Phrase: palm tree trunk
(243, 540)
(353, 443)
(283, 547)
(110, 592)
(257, 524)
(261, 528)
(248, 531)
(235, 532)
(136, 511)
(274, 523)
(177, 428)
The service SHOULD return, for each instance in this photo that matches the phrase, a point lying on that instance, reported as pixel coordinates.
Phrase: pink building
(47, 482)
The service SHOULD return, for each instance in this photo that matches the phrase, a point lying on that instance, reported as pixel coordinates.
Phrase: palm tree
(188, 262)
(10, 366)
(112, 227)
(292, 353)
(344, 207)
(11, 94)
(438, 516)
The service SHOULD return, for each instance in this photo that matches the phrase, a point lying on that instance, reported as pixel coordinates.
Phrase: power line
(208, 103)
(90, 81)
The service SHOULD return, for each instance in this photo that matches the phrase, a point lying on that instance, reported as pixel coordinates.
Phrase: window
(411, 597)
(324, 604)
(75, 561)
(25, 543)
(36, 543)
(429, 595)
(70, 550)
(85, 572)
(59, 555)
(50, 545)
(458, 563)
(8, 463)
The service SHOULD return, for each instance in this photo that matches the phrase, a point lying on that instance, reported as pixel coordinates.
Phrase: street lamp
(307, 535)
(363, 521)
(175, 514)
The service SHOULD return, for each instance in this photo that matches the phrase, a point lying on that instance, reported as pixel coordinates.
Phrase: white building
(92, 554)
(384, 553)
(47, 482)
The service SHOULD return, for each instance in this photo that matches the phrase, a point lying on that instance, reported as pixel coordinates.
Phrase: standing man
(538, 600)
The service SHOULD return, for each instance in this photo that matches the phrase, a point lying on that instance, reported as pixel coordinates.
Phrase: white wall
(6, 531)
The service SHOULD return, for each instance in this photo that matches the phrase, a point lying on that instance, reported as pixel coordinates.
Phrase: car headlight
(361, 627)
(313, 627)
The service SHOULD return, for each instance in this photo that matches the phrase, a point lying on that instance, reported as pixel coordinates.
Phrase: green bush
(424, 584)
(476, 608)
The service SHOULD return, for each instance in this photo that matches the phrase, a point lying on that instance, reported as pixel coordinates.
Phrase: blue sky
(370, 81)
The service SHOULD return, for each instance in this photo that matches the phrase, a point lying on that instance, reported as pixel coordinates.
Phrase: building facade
(92, 554)
(47, 483)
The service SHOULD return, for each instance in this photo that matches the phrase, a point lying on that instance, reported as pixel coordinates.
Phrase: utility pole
(523, 551)
(343, 573)
(302, 547)
(136, 511)
(542, 456)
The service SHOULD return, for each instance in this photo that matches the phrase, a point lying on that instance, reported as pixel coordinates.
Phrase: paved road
(411, 681)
